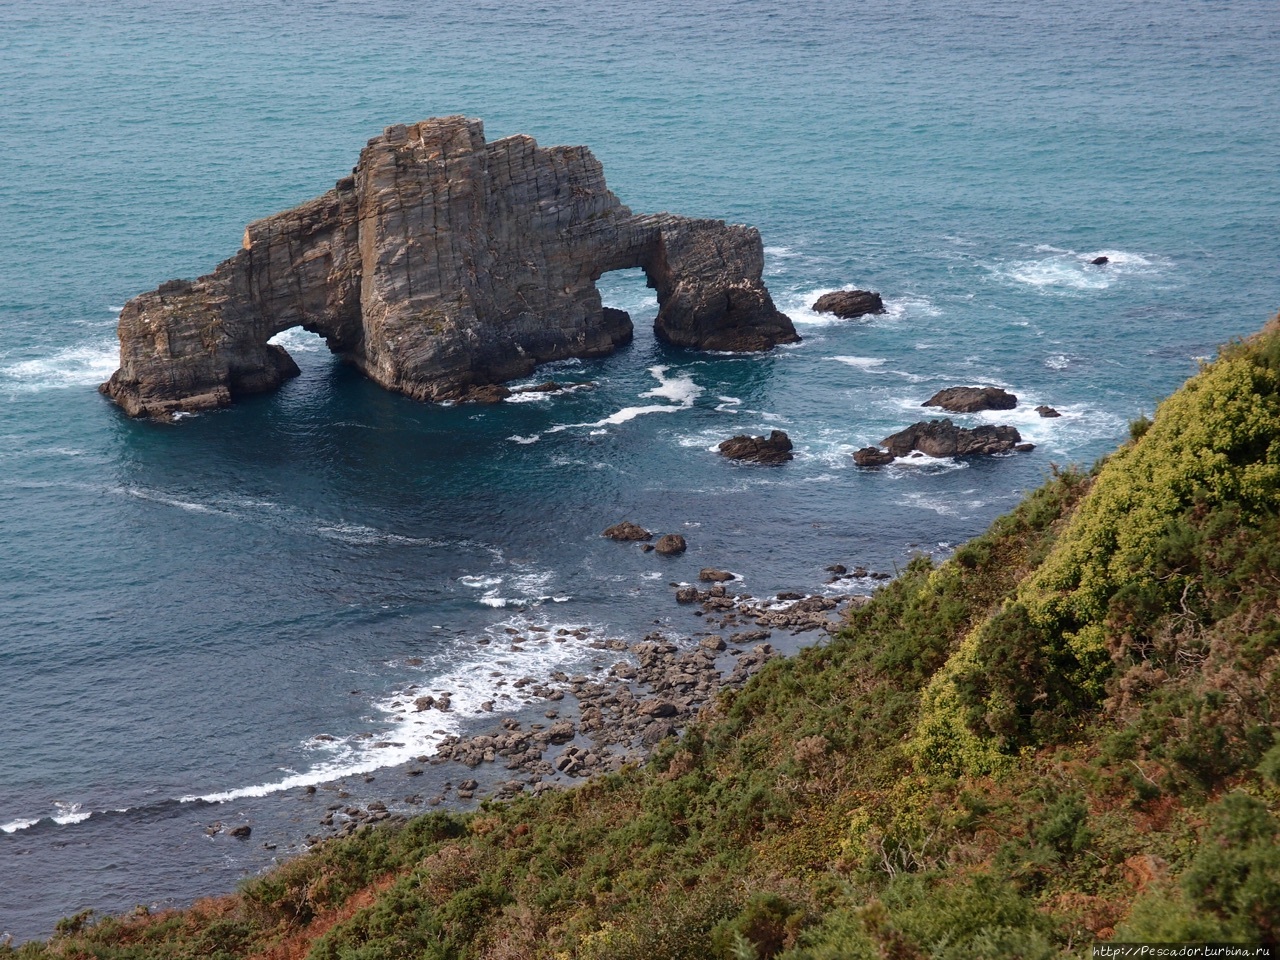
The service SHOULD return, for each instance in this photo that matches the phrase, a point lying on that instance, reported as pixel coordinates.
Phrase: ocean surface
(185, 607)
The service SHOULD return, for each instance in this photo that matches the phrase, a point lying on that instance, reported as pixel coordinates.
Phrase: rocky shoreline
(578, 726)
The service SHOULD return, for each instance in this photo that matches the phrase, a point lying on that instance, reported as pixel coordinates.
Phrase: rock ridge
(444, 264)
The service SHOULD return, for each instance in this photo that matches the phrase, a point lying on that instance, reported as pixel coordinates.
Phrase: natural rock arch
(443, 264)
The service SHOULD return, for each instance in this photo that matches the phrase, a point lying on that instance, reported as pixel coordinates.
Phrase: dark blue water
(184, 607)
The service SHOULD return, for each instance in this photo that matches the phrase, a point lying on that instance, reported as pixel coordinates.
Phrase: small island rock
(627, 531)
(1100, 261)
(671, 544)
(848, 304)
(712, 575)
(972, 399)
(775, 448)
(872, 457)
(1047, 411)
(942, 438)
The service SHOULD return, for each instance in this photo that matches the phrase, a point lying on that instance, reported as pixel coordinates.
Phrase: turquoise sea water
(183, 607)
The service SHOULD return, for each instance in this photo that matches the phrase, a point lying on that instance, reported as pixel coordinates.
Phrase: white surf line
(680, 389)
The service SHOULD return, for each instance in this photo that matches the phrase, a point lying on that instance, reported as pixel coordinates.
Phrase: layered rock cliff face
(442, 265)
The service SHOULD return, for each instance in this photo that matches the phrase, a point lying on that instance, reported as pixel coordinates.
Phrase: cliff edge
(441, 265)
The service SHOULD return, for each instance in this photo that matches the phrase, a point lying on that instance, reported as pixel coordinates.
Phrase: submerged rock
(972, 399)
(848, 304)
(942, 438)
(442, 266)
(775, 448)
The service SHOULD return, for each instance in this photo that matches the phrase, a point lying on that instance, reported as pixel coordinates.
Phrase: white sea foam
(360, 535)
(153, 496)
(949, 506)
(530, 396)
(532, 438)
(798, 307)
(70, 813)
(521, 587)
(728, 404)
(918, 462)
(80, 366)
(895, 308)
(480, 582)
(862, 363)
(1066, 271)
(1059, 361)
(297, 340)
(13, 826)
(401, 733)
(66, 814)
(680, 389)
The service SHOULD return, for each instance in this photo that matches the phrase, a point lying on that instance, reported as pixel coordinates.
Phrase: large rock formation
(443, 264)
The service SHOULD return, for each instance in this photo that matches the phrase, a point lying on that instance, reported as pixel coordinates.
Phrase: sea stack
(444, 265)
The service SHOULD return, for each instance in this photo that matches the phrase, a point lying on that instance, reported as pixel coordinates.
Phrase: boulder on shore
(942, 438)
(972, 399)
(627, 531)
(848, 304)
(775, 448)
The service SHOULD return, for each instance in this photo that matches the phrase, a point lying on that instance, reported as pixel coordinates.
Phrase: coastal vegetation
(1062, 734)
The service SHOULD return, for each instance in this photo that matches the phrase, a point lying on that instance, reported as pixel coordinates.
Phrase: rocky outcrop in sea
(849, 304)
(775, 448)
(972, 399)
(942, 438)
(442, 267)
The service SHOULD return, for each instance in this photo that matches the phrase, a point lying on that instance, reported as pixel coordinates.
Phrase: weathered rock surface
(872, 457)
(670, 544)
(942, 438)
(972, 399)
(712, 575)
(848, 304)
(1047, 411)
(775, 448)
(627, 531)
(441, 266)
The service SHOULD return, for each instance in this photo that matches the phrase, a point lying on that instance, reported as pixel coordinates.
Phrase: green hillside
(1063, 734)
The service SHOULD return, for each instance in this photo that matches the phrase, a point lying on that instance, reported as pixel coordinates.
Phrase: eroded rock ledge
(442, 265)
